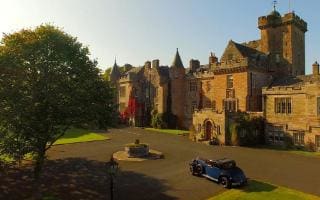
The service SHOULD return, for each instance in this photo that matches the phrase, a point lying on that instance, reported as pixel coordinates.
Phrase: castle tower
(283, 39)
(115, 73)
(176, 96)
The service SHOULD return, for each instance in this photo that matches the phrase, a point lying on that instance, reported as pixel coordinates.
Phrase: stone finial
(315, 68)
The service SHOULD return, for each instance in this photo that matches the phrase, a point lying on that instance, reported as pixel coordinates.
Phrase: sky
(135, 31)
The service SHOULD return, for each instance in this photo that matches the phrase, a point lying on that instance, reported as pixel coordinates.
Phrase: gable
(231, 53)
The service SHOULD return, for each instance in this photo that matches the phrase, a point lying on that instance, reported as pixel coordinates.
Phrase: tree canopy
(47, 84)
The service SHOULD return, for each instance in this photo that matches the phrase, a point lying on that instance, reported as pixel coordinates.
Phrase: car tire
(192, 170)
(199, 170)
(225, 182)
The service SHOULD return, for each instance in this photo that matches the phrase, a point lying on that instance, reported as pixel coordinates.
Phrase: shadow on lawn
(77, 178)
(257, 186)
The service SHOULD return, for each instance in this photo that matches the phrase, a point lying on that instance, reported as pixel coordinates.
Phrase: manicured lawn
(169, 131)
(75, 135)
(306, 153)
(300, 152)
(257, 190)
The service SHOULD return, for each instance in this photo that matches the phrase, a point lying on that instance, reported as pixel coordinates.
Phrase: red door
(208, 130)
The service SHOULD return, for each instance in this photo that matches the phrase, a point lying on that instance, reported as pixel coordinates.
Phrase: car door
(213, 172)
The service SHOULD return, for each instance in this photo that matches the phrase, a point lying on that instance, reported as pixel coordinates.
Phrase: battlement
(204, 74)
(274, 20)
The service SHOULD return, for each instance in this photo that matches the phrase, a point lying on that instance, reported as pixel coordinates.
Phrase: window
(230, 105)
(276, 137)
(122, 91)
(193, 86)
(230, 56)
(318, 106)
(283, 105)
(230, 93)
(317, 141)
(277, 58)
(193, 106)
(298, 138)
(229, 81)
(243, 133)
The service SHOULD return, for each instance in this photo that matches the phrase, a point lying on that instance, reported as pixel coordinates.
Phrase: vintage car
(223, 171)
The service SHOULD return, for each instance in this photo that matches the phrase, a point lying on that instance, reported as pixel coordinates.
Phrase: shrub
(163, 120)
(310, 146)
(234, 134)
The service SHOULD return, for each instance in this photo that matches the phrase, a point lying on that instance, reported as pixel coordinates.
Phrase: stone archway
(208, 130)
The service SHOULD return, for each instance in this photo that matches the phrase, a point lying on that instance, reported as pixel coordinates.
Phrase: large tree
(47, 84)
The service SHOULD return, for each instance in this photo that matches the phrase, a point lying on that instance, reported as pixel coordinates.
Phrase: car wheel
(199, 170)
(225, 182)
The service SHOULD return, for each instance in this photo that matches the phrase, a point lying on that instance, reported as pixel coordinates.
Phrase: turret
(176, 94)
(315, 68)
(115, 73)
(283, 39)
(177, 61)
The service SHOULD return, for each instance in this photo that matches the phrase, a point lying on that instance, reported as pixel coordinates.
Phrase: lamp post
(112, 169)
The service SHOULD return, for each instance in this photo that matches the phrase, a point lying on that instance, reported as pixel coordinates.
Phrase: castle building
(244, 80)
(292, 110)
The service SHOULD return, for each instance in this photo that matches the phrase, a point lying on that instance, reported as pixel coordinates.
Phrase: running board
(209, 177)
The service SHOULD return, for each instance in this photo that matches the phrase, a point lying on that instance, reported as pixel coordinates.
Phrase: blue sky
(140, 30)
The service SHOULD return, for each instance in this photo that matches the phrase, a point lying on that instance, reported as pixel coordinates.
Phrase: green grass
(305, 153)
(257, 190)
(294, 151)
(169, 131)
(75, 135)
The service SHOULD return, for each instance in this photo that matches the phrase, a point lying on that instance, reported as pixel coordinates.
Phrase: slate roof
(295, 81)
(246, 51)
(164, 71)
(115, 72)
(177, 60)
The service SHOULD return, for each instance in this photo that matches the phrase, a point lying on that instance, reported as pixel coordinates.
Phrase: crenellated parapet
(275, 19)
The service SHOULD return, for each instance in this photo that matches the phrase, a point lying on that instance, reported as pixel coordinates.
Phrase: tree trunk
(37, 173)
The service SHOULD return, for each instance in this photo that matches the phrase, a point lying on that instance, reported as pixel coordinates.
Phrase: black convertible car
(223, 171)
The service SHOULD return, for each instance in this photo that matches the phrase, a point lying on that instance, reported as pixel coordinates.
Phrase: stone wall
(303, 118)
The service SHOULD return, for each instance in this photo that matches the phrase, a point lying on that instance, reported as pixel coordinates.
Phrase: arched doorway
(208, 130)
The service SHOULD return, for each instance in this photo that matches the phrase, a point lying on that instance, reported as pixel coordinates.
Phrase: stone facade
(292, 110)
(203, 96)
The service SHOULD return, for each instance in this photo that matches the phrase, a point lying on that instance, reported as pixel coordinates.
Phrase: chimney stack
(155, 63)
(194, 65)
(315, 68)
(212, 59)
(147, 64)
